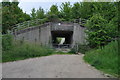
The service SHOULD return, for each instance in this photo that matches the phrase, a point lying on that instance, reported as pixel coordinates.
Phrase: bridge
(47, 34)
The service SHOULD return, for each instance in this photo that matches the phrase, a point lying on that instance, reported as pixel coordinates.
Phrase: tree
(76, 10)
(53, 14)
(54, 10)
(26, 17)
(8, 16)
(40, 13)
(97, 31)
(66, 11)
(11, 15)
(86, 10)
(33, 13)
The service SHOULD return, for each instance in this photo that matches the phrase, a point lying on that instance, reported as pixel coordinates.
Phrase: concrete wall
(62, 27)
(78, 35)
(39, 35)
(42, 34)
(45, 35)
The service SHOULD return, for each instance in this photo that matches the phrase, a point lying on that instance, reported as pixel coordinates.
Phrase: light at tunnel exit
(62, 41)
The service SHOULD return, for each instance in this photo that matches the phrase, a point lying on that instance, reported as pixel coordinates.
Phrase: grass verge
(24, 51)
(19, 50)
(105, 59)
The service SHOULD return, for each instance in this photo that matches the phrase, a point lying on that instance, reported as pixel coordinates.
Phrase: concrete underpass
(48, 33)
(68, 35)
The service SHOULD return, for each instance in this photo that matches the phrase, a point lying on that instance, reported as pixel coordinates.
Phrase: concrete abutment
(46, 34)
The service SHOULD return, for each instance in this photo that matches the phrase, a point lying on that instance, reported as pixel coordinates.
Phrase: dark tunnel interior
(68, 35)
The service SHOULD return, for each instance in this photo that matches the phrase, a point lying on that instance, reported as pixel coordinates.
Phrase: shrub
(105, 59)
(82, 48)
(53, 18)
(7, 42)
(97, 31)
(72, 50)
(24, 51)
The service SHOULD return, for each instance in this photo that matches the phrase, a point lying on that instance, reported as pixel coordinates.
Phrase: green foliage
(33, 13)
(54, 10)
(86, 10)
(7, 42)
(53, 14)
(82, 48)
(58, 40)
(72, 50)
(97, 31)
(24, 51)
(65, 11)
(76, 10)
(43, 20)
(62, 19)
(52, 18)
(105, 59)
(18, 50)
(40, 14)
(11, 15)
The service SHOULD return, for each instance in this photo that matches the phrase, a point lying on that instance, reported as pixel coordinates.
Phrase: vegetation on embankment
(19, 50)
(104, 59)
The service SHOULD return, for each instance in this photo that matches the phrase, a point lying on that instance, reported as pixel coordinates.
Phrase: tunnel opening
(62, 39)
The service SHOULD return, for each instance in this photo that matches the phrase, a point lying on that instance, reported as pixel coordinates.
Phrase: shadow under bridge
(62, 39)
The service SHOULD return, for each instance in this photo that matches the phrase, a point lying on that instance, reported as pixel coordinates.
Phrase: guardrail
(27, 24)
(62, 45)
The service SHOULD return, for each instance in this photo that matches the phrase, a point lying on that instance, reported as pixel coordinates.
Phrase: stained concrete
(55, 66)
(42, 34)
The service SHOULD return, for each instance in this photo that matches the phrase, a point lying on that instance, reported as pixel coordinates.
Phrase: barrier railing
(62, 45)
(27, 24)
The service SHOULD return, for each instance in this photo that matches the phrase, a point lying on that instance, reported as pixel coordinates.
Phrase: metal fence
(62, 45)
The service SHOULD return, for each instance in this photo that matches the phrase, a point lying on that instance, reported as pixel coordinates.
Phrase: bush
(97, 31)
(105, 59)
(62, 19)
(82, 48)
(53, 18)
(24, 51)
(72, 50)
(7, 42)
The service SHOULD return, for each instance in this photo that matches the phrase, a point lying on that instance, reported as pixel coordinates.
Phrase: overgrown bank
(19, 50)
(104, 59)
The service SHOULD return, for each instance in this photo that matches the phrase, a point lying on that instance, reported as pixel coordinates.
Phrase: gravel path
(54, 66)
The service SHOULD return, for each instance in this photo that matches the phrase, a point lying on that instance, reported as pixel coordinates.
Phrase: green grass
(105, 59)
(24, 51)
(20, 51)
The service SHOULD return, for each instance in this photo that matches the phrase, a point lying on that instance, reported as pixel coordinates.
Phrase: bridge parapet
(62, 27)
(17, 31)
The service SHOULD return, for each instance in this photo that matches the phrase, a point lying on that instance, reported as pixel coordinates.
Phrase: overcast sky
(27, 5)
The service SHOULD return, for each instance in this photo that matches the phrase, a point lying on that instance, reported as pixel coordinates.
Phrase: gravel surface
(54, 66)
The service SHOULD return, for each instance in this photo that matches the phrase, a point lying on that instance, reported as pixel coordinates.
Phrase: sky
(27, 6)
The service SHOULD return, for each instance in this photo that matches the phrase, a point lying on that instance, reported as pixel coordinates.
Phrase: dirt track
(54, 66)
